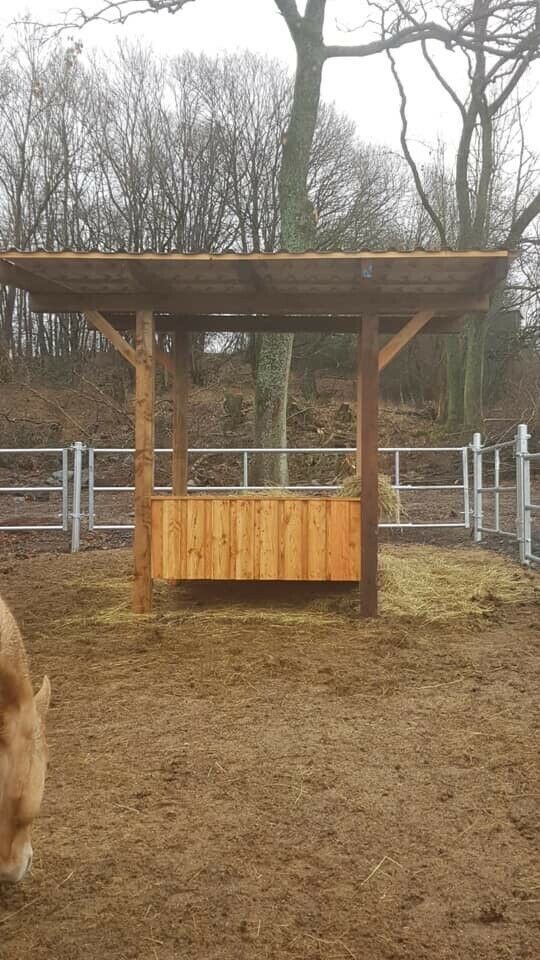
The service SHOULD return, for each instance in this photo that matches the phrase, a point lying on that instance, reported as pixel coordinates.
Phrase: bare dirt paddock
(254, 774)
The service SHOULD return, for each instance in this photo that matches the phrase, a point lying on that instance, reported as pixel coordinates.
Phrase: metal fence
(510, 463)
(521, 487)
(526, 464)
(28, 491)
(244, 453)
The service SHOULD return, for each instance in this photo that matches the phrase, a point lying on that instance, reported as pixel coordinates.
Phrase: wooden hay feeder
(217, 538)
(234, 538)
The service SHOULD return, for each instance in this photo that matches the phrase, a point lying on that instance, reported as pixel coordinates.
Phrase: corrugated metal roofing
(317, 283)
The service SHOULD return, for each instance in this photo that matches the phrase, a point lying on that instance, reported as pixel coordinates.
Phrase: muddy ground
(242, 775)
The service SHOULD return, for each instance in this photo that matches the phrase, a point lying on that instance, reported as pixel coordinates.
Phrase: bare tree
(496, 192)
(512, 33)
(132, 151)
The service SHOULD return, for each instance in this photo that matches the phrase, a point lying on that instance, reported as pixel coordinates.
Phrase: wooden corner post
(359, 402)
(144, 459)
(179, 426)
(368, 397)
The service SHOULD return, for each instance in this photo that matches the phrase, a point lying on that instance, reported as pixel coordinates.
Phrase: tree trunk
(197, 342)
(473, 389)
(454, 381)
(298, 231)
(273, 365)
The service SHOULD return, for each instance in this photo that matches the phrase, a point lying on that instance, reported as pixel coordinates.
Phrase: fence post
(523, 493)
(397, 472)
(466, 502)
(497, 482)
(65, 489)
(477, 487)
(91, 478)
(76, 508)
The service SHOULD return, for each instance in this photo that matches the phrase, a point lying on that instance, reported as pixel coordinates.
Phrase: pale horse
(23, 750)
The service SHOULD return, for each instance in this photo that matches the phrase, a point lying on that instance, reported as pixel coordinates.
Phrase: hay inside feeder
(389, 505)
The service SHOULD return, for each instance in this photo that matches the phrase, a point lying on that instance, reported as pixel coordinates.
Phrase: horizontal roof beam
(418, 254)
(274, 304)
(235, 323)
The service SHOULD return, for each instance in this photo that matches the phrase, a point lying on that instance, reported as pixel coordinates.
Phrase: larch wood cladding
(252, 538)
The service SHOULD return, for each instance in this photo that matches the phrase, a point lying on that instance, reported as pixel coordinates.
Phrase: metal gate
(513, 469)
(521, 487)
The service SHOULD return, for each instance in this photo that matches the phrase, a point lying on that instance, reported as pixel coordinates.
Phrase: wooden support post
(179, 426)
(368, 373)
(144, 459)
(359, 405)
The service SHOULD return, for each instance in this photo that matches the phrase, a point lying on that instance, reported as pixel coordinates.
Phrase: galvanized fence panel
(484, 457)
(528, 509)
(63, 487)
(461, 484)
(479, 453)
(523, 507)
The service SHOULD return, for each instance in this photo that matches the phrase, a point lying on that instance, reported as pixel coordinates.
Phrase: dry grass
(419, 584)
(351, 488)
(436, 585)
(388, 498)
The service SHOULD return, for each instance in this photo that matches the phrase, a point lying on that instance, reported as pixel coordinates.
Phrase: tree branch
(57, 406)
(119, 11)
(516, 29)
(496, 104)
(409, 157)
(433, 31)
(443, 82)
(521, 222)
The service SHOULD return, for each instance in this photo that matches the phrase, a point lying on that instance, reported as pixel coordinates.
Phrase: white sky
(364, 89)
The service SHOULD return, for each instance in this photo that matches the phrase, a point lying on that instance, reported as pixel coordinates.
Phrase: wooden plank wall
(230, 538)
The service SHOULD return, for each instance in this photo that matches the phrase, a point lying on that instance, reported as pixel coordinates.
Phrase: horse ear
(43, 698)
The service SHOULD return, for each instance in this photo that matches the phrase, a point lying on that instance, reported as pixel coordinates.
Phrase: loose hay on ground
(433, 584)
(417, 583)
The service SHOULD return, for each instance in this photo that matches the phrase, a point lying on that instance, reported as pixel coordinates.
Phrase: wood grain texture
(271, 304)
(359, 402)
(144, 461)
(369, 379)
(230, 538)
(95, 319)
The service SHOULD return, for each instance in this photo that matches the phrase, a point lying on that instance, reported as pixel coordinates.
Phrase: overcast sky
(364, 89)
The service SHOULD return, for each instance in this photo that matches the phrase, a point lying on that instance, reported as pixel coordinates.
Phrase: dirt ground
(248, 774)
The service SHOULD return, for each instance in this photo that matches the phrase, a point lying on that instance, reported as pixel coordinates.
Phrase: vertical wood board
(234, 538)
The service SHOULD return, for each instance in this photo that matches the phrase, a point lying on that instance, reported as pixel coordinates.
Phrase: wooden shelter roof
(262, 291)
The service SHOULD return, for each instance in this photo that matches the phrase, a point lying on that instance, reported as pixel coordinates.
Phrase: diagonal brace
(404, 336)
(120, 343)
